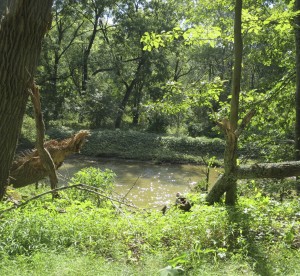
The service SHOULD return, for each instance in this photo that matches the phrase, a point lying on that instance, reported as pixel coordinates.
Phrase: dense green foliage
(103, 181)
(140, 145)
(254, 238)
(149, 146)
(151, 78)
(97, 71)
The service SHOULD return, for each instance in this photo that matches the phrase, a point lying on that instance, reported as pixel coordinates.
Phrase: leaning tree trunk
(21, 33)
(128, 92)
(45, 157)
(122, 106)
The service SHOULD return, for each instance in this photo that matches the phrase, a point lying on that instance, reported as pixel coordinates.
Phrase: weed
(254, 238)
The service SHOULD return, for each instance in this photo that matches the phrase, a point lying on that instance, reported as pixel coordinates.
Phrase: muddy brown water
(149, 185)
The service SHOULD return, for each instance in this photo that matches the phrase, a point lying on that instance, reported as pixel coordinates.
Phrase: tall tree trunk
(128, 92)
(297, 94)
(21, 33)
(136, 105)
(228, 183)
(56, 98)
(54, 92)
(230, 158)
(87, 51)
(122, 106)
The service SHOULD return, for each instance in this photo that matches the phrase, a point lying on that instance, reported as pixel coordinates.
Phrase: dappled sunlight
(147, 184)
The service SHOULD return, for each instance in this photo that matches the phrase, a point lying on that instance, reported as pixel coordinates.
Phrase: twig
(245, 122)
(121, 211)
(132, 187)
(87, 188)
(77, 186)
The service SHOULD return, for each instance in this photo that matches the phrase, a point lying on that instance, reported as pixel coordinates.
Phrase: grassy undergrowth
(138, 145)
(260, 236)
(150, 146)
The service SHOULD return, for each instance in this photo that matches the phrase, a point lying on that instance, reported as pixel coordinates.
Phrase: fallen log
(28, 168)
(269, 170)
(260, 170)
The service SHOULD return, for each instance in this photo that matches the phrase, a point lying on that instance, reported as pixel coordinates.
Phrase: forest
(206, 90)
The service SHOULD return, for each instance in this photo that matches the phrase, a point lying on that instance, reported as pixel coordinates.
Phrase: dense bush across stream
(146, 146)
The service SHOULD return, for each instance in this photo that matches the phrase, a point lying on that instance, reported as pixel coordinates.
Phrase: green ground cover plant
(77, 236)
(138, 145)
(149, 146)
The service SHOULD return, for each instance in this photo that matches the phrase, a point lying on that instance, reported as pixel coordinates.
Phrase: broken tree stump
(28, 168)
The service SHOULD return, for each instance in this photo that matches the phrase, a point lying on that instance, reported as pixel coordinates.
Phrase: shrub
(150, 146)
(59, 132)
(256, 230)
(158, 123)
(94, 177)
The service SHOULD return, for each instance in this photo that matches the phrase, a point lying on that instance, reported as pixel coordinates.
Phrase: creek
(148, 185)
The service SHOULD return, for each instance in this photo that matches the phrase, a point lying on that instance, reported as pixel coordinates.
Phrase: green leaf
(169, 271)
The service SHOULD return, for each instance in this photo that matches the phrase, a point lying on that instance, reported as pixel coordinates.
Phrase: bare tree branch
(82, 187)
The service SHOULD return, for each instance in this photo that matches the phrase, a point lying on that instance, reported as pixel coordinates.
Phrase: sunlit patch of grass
(74, 263)
(260, 236)
(278, 262)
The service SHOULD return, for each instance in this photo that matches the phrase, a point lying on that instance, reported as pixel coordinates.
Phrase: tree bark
(269, 170)
(259, 170)
(297, 94)
(21, 33)
(136, 105)
(228, 183)
(44, 154)
(122, 106)
(87, 51)
(128, 92)
(54, 98)
(224, 182)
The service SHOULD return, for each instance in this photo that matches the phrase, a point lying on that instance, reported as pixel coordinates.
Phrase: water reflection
(151, 185)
